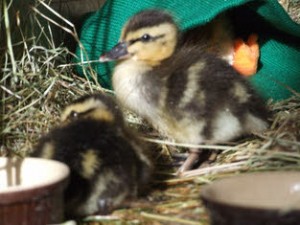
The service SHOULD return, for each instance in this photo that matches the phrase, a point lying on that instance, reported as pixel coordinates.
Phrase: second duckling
(108, 163)
(189, 95)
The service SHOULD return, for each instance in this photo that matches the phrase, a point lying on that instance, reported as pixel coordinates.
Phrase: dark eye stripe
(143, 40)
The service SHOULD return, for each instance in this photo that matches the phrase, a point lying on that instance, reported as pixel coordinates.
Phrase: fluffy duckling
(108, 164)
(187, 94)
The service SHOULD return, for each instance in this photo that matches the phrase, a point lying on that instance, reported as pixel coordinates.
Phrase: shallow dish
(266, 198)
(38, 199)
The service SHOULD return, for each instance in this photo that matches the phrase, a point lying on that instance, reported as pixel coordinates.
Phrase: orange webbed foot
(246, 55)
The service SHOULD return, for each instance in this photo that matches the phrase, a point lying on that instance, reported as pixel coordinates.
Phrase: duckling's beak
(119, 51)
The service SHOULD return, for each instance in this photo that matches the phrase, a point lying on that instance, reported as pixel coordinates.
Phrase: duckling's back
(203, 99)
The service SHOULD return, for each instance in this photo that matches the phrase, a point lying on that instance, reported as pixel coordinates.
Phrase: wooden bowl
(38, 199)
(267, 198)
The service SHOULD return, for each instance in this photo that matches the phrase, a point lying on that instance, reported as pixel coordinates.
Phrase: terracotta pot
(38, 199)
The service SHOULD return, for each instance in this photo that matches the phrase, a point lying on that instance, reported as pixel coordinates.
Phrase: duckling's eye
(73, 115)
(146, 38)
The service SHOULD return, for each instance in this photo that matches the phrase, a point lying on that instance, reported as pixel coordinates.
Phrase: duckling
(187, 94)
(108, 163)
(216, 36)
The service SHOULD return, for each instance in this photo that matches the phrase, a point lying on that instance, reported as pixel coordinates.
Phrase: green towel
(279, 36)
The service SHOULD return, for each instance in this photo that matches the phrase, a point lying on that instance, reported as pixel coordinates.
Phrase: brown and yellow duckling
(187, 94)
(107, 162)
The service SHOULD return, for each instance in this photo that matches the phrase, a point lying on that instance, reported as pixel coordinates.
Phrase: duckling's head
(150, 36)
(100, 107)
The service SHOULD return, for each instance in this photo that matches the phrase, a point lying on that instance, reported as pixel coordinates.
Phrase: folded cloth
(278, 75)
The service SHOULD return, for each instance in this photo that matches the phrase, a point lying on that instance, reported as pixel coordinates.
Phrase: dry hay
(37, 82)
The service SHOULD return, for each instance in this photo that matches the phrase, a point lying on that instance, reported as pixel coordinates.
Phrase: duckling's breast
(135, 89)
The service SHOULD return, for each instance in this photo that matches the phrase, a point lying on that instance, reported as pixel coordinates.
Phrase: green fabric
(279, 36)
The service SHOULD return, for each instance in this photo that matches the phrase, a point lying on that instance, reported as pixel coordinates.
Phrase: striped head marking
(149, 36)
(90, 106)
